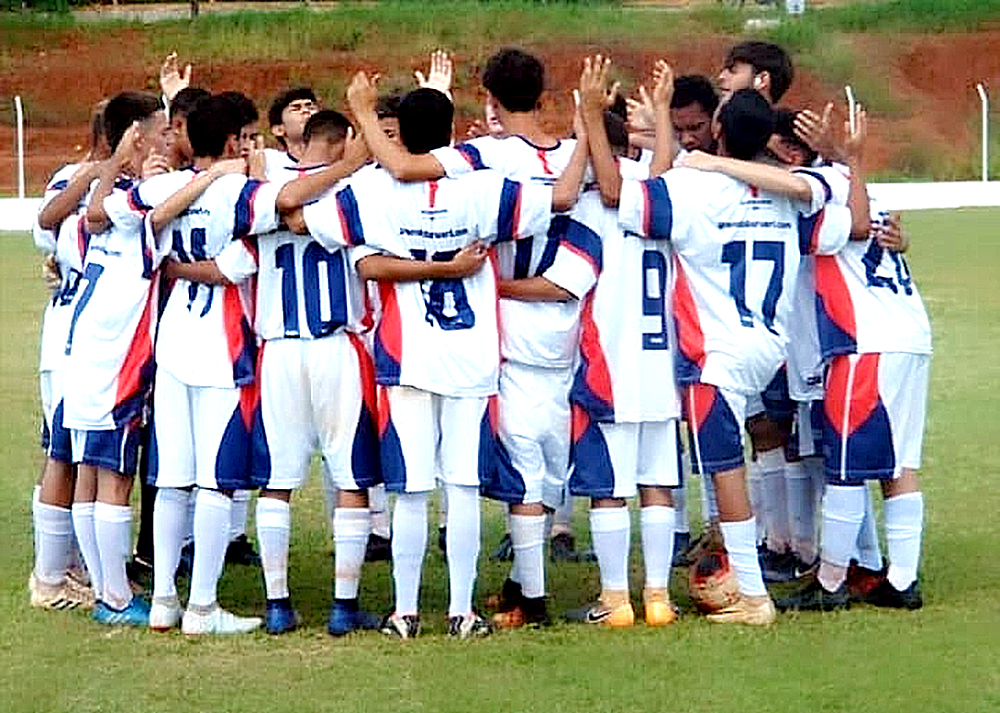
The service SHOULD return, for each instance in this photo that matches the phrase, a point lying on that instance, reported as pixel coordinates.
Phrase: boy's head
(214, 128)
(289, 113)
(425, 117)
(97, 141)
(785, 145)
(125, 109)
(248, 119)
(515, 80)
(325, 133)
(762, 66)
(743, 124)
(180, 107)
(617, 132)
(387, 110)
(691, 110)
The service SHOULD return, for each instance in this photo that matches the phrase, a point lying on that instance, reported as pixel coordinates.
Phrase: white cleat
(164, 614)
(217, 621)
(68, 595)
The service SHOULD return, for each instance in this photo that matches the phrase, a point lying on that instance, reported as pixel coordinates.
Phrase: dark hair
(614, 125)
(284, 99)
(96, 135)
(329, 124)
(765, 57)
(184, 101)
(784, 126)
(695, 88)
(387, 106)
(210, 124)
(619, 106)
(425, 117)
(125, 109)
(243, 105)
(515, 78)
(747, 121)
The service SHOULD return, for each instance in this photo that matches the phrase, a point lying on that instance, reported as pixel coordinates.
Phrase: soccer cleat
(813, 597)
(136, 613)
(682, 543)
(165, 614)
(756, 611)
(776, 566)
(469, 626)
(140, 569)
(861, 581)
(406, 626)
(562, 548)
(886, 595)
(378, 549)
(68, 595)
(504, 551)
(804, 569)
(614, 611)
(345, 617)
(532, 613)
(240, 551)
(217, 621)
(659, 610)
(279, 616)
(509, 597)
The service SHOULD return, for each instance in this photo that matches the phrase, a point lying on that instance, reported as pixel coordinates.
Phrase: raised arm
(404, 166)
(857, 196)
(110, 169)
(567, 188)
(663, 92)
(593, 82)
(189, 193)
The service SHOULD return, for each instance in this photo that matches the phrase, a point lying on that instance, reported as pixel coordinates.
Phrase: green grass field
(942, 658)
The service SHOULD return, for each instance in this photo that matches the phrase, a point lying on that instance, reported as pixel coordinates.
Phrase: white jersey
(110, 340)
(45, 240)
(867, 301)
(537, 333)
(304, 291)
(70, 251)
(435, 335)
(626, 371)
(277, 163)
(736, 255)
(205, 337)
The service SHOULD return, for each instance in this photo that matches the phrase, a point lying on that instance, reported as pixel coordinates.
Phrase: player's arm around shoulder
(181, 199)
(380, 266)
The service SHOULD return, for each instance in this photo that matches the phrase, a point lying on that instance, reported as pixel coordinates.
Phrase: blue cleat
(135, 614)
(345, 617)
(279, 616)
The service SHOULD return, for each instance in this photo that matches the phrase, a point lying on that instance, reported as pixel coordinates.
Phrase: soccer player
(287, 118)
(436, 346)
(109, 365)
(761, 66)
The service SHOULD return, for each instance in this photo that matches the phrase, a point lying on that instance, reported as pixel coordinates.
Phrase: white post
(19, 110)
(986, 130)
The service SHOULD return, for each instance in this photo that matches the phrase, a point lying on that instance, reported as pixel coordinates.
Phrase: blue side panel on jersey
(152, 453)
(828, 192)
(129, 410)
(498, 478)
(509, 196)
(232, 461)
(597, 408)
(807, 226)
(58, 185)
(348, 206)
(661, 209)
(591, 472)
(685, 370)
(136, 200)
(832, 339)
(243, 364)
(472, 155)
(582, 238)
(870, 452)
(244, 219)
(365, 464)
(59, 446)
(387, 369)
(260, 452)
(393, 464)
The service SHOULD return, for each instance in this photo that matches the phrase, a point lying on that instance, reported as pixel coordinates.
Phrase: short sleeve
(238, 260)
(645, 208)
(577, 263)
(256, 210)
(825, 232)
(335, 219)
(509, 210)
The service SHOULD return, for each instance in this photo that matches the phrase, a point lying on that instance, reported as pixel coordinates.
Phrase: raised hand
(362, 94)
(594, 84)
(854, 140)
(640, 113)
(817, 132)
(663, 84)
(439, 75)
(171, 79)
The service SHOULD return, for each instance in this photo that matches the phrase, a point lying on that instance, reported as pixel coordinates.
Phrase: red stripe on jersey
(345, 229)
(690, 337)
(516, 217)
(851, 398)
(390, 329)
(546, 169)
(82, 237)
(647, 209)
(834, 295)
(814, 238)
(236, 328)
(139, 356)
(493, 413)
(698, 404)
(596, 373)
(250, 393)
(367, 370)
(383, 410)
(579, 421)
(495, 266)
(584, 254)
(432, 189)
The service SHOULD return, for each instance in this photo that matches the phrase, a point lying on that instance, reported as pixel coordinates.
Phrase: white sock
(562, 516)
(83, 526)
(843, 510)
(378, 505)
(657, 524)
(869, 550)
(775, 500)
(904, 525)
(36, 491)
(463, 546)
(350, 537)
(741, 547)
(681, 523)
(113, 530)
(758, 505)
(274, 527)
(238, 515)
(170, 522)
(212, 516)
(53, 537)
(709, 503)
(409, 543)
(801, 515)
(527, 535)
(611, 532)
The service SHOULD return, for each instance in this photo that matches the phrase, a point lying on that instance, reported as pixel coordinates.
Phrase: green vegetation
(941, 659)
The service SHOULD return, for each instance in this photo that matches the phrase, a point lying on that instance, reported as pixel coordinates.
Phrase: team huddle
(515, 316)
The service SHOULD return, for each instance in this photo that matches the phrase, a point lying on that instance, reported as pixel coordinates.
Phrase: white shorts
(423, 433)
(533, 429)
(200, 436)
(313, 396)
(611, 459)
(874, 413)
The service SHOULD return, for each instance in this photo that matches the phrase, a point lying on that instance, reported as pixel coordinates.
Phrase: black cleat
(378, 549)
(562, 548)
(240, 551)
(886, 595)
(813, 597)
(682, 543)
